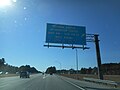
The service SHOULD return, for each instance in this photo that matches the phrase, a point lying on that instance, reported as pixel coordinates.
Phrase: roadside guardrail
(107, 82)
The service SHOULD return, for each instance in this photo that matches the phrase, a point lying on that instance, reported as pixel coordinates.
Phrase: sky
(23, 26)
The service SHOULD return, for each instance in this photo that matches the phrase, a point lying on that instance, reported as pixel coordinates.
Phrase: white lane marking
(44, 77)
(74, 85)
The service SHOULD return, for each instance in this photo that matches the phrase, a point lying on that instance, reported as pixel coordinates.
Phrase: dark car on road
(24, 74)
(51, 73)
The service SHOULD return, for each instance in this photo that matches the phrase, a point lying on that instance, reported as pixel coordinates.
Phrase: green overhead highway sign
(65, 34)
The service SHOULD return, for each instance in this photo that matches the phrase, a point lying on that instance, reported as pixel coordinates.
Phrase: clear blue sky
(23, 31)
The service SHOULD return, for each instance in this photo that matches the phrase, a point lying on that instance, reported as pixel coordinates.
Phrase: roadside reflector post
(100, 75)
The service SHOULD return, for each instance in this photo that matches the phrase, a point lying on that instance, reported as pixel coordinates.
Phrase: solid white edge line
(74, 85)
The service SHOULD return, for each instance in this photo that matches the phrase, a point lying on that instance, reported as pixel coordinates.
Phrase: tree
(28, 68)
(51, 70)
(33, 70)
(2, 61)
(83, 71)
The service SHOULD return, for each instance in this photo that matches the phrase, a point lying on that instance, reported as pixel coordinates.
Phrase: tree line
(13, 69)
(51, 70)
(107, 69)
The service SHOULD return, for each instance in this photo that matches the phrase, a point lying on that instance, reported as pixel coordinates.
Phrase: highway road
(48, 82)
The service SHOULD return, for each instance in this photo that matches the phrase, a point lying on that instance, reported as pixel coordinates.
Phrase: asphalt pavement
(48, 82)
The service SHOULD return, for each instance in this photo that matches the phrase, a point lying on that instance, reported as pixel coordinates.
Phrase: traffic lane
(37, 82)
(88, 85)
(50, 82)
(15, 83)
(55, 83)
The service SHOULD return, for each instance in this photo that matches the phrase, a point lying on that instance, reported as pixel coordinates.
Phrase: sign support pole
(77, 62)
(100, 75)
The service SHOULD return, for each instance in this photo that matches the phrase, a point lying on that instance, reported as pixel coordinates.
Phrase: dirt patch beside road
(115, 78)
